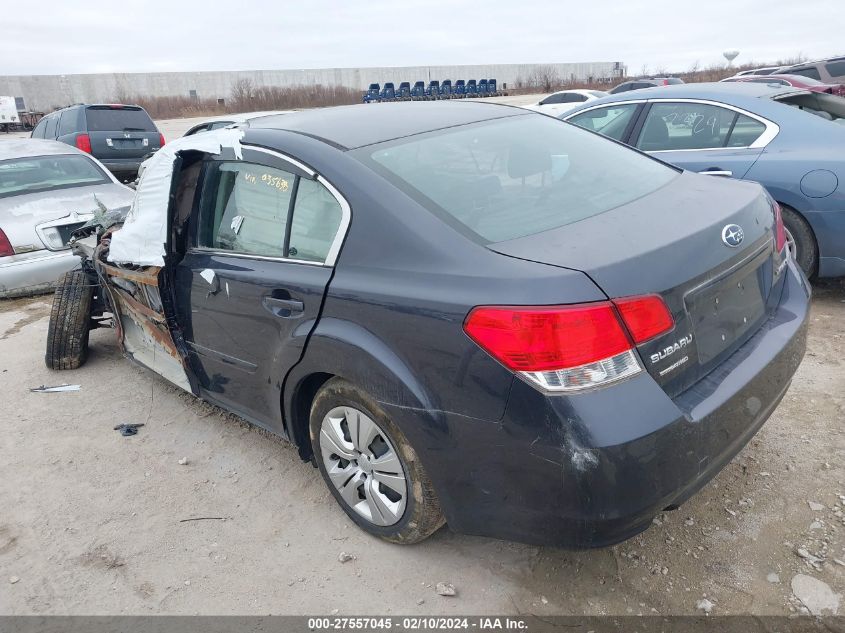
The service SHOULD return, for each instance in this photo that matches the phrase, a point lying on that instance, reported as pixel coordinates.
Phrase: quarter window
(258, 210)
(316, 219)
(50, 130)
(746, 130)
(68, 122)
(611, 121)
(811, 72)
(835, 69)
(38, 132)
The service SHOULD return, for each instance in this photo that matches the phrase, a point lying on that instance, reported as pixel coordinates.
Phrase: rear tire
(801, 241)
(416, 515)
(70, 322)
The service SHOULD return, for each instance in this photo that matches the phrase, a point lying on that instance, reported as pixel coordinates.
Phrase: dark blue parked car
(791, 141)
(460, 312)
(120, 136)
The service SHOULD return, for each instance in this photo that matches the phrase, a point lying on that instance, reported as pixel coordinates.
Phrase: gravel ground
(93, 523)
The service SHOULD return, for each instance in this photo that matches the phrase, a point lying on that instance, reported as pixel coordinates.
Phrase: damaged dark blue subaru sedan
(461, 313)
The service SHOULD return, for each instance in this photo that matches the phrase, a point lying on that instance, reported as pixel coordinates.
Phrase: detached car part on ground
(47, 190)
(460, 312)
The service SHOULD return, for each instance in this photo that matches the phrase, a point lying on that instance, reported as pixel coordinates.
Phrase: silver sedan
(47, 190)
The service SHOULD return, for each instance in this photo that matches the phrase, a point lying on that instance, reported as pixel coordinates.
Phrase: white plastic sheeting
(143, 236)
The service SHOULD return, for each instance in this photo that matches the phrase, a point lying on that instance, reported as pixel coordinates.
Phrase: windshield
(42, 173)
(122, 119)
(516, 176)
(828, 107)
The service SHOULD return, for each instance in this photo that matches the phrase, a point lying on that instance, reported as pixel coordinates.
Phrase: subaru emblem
(732, 235)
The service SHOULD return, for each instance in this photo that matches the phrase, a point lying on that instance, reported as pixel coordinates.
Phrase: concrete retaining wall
(47, 92)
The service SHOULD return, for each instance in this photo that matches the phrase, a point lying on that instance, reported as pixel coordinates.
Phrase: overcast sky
(57, 36)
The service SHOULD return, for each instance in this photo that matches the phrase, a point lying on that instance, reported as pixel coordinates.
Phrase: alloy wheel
(363, 465)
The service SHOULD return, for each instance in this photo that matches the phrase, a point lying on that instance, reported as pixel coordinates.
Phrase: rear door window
(611, 121)
(248, 210)
(247, 207)
(677, 126)
(111, 119)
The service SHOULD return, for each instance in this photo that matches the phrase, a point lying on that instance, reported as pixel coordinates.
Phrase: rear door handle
(285, 308)
(717, 172)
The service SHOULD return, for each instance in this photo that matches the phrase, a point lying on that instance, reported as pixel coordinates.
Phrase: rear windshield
(828, 107)
(44, 173)
(108, 119)
(516, 176)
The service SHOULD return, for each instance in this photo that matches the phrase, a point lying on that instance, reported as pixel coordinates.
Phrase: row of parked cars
(434, 90)
(450, 307)
(787, 138)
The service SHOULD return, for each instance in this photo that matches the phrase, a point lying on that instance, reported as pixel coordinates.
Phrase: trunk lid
(670, 243)
(121, 132)
(27, 218)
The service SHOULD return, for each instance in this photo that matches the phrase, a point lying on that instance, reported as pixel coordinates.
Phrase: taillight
(161, 139)
(645, 317)
(569, 347)
(83, 142)
(5, 245)
(780, 232)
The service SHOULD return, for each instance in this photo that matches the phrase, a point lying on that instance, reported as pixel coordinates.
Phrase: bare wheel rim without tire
(363, 465)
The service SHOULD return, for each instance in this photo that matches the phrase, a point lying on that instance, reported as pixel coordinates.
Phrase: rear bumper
(34, 273)
(121, 165)
(594, 469)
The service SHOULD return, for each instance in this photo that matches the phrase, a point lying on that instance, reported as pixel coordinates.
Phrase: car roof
(714, 91)
(24, 147)
(810, 64)
(241, 117)
(348, 127)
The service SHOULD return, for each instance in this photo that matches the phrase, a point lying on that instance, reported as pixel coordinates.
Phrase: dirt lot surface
(93, 522)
